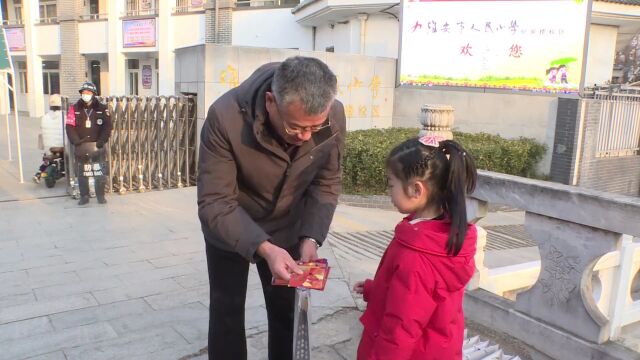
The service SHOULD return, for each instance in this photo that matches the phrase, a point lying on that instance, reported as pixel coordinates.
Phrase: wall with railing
(597, 141)
(574, 301)
(266, 3)
(619, 126)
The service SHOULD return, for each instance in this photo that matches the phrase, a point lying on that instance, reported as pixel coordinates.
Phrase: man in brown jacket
(268, 184)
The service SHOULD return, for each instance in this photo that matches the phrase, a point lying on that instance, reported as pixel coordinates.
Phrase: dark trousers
(100, 181)
(228, 274)
(83, 184)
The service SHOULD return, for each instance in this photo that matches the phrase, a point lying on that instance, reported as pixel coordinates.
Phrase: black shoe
(84, 200)
(102, 200)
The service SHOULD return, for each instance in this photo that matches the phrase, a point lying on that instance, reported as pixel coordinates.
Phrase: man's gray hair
(306, 79)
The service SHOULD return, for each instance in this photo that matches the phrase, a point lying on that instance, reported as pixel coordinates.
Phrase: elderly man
(268, 184)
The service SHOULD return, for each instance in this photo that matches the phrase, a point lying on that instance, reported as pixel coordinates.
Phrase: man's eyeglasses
(291, 130)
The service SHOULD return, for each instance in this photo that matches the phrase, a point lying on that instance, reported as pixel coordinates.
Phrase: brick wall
(612, 174)
(225, 17)
(564, 142)
(72, 63)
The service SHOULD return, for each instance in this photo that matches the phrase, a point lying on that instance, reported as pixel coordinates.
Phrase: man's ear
(269, 98)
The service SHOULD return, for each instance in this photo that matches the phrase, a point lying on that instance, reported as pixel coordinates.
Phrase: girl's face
(406, 200)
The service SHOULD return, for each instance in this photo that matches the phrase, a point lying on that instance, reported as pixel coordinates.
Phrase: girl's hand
(359, 287)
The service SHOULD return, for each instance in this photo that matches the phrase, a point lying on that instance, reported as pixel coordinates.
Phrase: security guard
(88, 122)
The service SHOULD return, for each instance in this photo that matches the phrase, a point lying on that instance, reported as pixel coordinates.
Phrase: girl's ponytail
(460, 182)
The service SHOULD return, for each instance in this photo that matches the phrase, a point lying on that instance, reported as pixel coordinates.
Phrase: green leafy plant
(367, 150)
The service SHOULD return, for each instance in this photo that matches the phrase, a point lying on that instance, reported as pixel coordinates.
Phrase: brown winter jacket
(249, 190)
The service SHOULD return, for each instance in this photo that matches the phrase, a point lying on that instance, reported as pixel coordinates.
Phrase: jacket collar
(431, 236)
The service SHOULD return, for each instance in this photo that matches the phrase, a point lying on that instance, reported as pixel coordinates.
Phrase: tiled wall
(366, 84)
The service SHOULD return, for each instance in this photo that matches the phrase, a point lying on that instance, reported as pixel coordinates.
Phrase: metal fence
(266, 3)
(185, 6)
(152, 145)
(619, 126)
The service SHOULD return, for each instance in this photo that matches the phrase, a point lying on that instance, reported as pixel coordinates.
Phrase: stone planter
(437, 120)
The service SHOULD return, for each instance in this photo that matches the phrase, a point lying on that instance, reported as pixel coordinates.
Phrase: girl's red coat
(414, 308)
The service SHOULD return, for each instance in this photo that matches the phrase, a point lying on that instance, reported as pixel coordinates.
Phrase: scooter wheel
(50, 182)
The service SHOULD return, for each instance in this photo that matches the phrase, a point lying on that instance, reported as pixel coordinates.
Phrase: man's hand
(308, 250)
(82, 141)
(280, 262)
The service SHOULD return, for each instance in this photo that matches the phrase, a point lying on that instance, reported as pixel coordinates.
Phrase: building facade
(127, 47)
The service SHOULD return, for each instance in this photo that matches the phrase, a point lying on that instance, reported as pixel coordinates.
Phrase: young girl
(414, 303)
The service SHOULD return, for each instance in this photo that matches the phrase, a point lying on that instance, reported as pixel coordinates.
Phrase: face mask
(87, 97)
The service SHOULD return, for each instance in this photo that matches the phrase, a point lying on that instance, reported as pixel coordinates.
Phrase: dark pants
(83, 184)
(228, 274)
(100, 181)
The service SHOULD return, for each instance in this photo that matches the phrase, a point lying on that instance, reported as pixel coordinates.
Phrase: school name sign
(524, 45)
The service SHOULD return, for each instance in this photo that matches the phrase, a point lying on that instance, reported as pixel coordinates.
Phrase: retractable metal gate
(152, 145)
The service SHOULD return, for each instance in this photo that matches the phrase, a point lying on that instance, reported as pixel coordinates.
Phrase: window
(95, 74)
(22, 77)
(132, 5)
(133, 64)
(157, 77)
(141, 7)
(5, 14)
(48, 12)
(133, 83)
(183, 6)
(94, 7)
(51, 77)
(17, 8)
(10, 82)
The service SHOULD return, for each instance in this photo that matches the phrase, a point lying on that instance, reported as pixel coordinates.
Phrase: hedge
(366, 151)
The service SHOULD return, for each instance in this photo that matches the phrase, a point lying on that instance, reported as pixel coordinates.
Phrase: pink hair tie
(431, 140)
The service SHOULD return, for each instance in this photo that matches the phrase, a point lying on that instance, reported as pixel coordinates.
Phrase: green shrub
(367, 150)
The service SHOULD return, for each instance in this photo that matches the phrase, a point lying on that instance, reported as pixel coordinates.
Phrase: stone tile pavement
(128, 280)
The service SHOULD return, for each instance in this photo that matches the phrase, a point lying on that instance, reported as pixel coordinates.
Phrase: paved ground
(10, 188)
(129, 280)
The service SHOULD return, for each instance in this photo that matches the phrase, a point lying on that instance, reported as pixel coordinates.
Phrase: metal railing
(48, 20)
(140, 12)
(12, 22)
(94, 17)
(186, 6)
(619, 126)
(152, 145)
(266, 3)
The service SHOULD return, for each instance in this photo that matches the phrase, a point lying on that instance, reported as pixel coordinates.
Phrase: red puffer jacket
(414, 303)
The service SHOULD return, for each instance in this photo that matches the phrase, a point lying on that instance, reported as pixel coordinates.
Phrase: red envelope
(314, 276)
